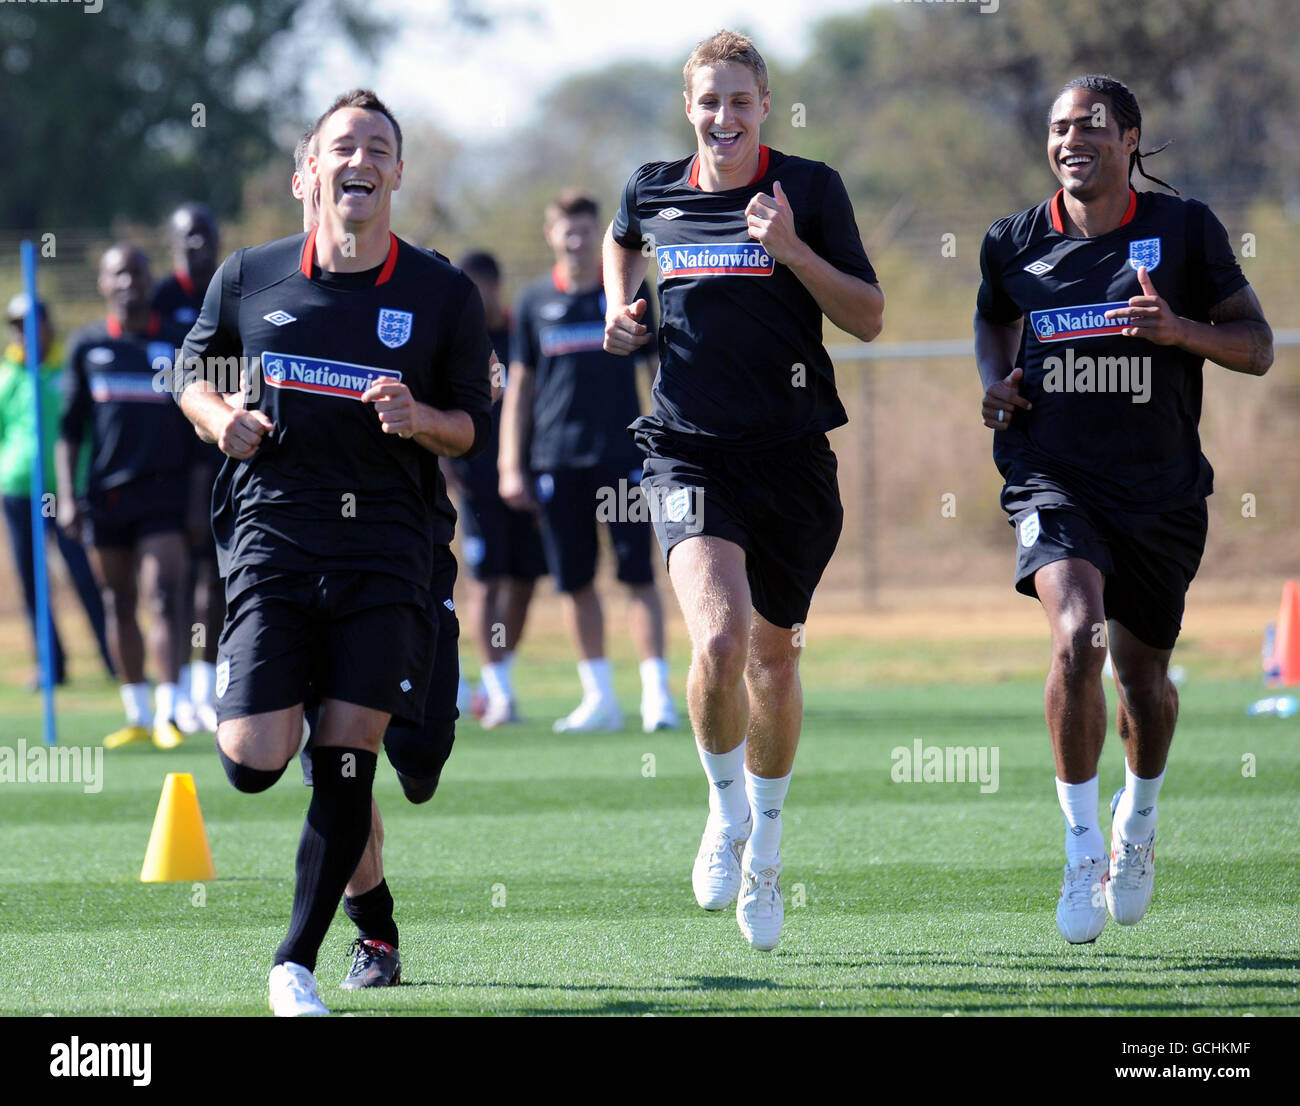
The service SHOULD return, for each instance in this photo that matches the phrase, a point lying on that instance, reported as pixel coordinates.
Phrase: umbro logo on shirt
(1038, 268)
(279, 318)
(671, 213)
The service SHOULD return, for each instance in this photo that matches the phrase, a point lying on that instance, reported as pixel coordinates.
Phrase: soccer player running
(502, 546)
(194, 239)
(137, 488)
(1095, 405)
(573, 401)
(753, 246)
(417, 753)
(367, 355)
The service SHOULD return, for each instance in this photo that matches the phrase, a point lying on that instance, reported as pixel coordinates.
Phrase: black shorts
(420, 750)
(360, 637)
(496, 540)
(121, 517)
(780, 505)
(573, 502)
(1148, 560)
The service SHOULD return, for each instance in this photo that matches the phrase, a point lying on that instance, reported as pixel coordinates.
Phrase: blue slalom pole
(44, 617)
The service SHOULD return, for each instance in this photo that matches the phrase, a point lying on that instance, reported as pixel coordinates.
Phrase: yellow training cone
(178, 846)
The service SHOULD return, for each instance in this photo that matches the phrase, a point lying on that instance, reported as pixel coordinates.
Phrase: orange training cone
(1286, 641)
(178, 846)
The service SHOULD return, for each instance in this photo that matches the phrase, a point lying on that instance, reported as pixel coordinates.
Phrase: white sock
(164, 700)
(766, 798)
(135, 700)
(1082, 835)
(1135, 814)
(597, 679)
(496, 681)
(728, 802)
(202, 677)
(654, 678)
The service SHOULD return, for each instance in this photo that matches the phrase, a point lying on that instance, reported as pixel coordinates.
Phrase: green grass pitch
(551, 874)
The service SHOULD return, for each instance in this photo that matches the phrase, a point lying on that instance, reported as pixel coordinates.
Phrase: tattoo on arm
(1243, 306)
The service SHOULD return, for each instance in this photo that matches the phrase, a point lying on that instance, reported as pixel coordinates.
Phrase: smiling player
(753, 246)
(366, 354)
(1095, 406)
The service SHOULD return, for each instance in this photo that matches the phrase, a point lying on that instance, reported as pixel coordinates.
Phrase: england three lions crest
(394, 327)
(1145, 251)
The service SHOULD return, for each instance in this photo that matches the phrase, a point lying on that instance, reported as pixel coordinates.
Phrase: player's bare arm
(516, 422)
(237, 431)
(996, 346)
(853, 305)
(66, 513)
(624, 269)
(1237, 336)
(446, 433)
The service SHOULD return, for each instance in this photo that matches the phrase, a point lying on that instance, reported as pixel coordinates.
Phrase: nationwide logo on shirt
(1057, 324)
(571, 338)
(325, 378)
(714, 259)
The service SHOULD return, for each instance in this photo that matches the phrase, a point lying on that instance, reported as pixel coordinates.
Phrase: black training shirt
(327, 490)
(1107, 422)
(741, 360)
(583, 397)
(117, 391)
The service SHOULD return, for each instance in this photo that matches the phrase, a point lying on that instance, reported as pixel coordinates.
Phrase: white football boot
(1132, 874)
(715, 878)
(1081, 910)
(497, 713)
(591, 715)
(293, 992)
(760, 910)
(657, 713)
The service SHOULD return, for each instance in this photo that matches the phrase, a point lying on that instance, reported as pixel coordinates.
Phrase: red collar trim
(1057, 207)
(309, 257)
(115, 328)
(764, 154)
(183, 279)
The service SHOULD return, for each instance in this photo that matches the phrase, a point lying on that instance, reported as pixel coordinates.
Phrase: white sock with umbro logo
(726, 773)
(766, 799)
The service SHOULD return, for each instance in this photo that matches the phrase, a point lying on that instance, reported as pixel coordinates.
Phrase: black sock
(333, 841)
(372, 913)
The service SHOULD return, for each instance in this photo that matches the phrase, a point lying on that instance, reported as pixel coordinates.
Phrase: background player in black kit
(137, 493)
(753, 247)
(1095, 404)
(564, 422)
(502, 546)
(194, 239)
(358, 343)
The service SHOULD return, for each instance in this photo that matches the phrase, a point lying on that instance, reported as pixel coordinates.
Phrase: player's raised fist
(771, 221)
(1002, 398)
(243, 433)
(624, 331)
(394, 404)
(1148, 315)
